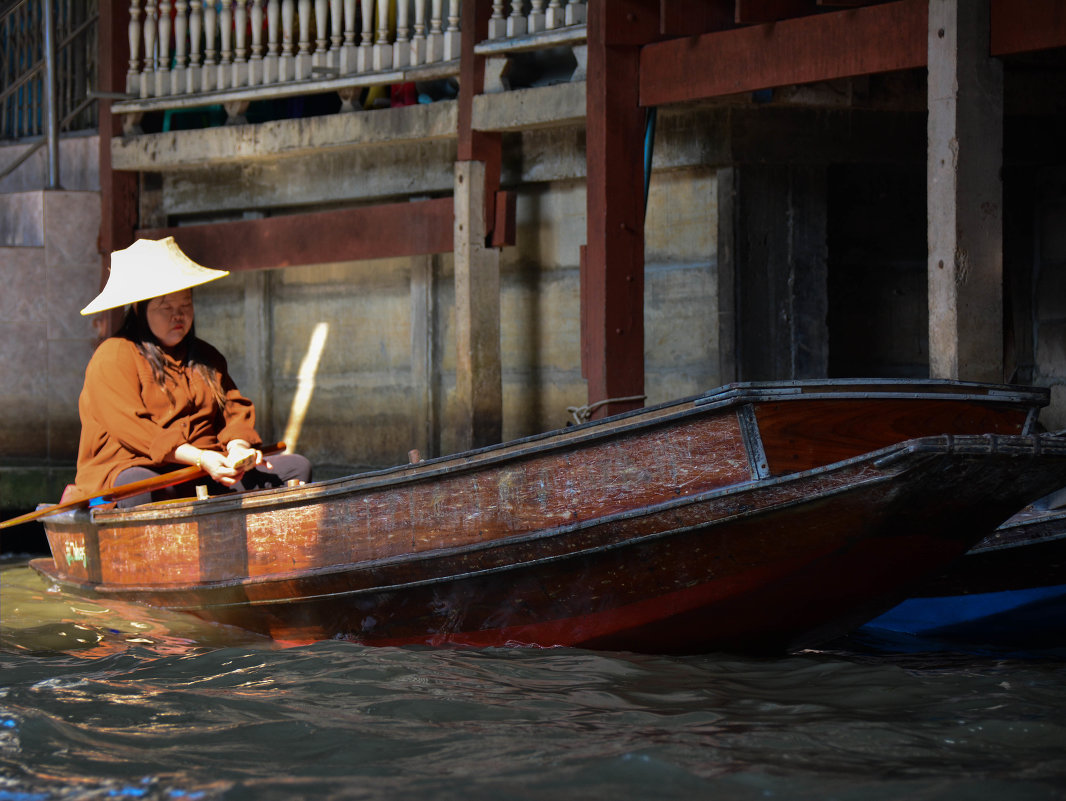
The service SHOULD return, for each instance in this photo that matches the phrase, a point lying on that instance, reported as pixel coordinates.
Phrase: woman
(157, 398)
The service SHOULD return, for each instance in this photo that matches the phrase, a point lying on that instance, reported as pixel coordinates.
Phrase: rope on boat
(581, 414)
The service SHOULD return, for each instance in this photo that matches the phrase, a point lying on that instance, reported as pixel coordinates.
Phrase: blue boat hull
(1009, 592)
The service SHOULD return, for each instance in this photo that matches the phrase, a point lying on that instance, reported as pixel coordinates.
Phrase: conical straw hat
(146, 269)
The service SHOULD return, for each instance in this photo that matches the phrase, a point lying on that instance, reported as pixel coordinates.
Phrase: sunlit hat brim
(147, 269)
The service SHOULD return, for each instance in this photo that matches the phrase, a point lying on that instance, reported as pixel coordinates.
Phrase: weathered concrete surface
(78, 166)
(525, 109)
(334, 177)
(23, 219)
(964, 194)
(267, 141)
(44, 342)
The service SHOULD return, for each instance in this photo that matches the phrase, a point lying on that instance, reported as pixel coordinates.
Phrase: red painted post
(613, 279)
(118, 190)
(477, 145)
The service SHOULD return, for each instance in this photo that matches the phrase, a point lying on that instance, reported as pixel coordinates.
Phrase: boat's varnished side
(316, 527)
(775, 564)
(828, 430)
(624, 463)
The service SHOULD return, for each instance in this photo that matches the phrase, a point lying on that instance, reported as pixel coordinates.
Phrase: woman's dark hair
(135, 328)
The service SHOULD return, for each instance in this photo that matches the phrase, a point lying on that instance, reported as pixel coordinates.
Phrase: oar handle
(127, 490)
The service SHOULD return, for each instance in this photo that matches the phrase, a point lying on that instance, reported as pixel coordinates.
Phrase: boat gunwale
(1012, 526)
(736, 395)
(890, 461)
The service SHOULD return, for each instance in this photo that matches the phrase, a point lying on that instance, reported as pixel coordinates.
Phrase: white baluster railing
(133, 74)
(162, 75)
(181, 47)
(225, 28)
(237, 50)
(519, 18)
(209, 72)
(151, 27)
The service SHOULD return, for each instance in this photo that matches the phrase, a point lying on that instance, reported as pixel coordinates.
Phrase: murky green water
(123, 703)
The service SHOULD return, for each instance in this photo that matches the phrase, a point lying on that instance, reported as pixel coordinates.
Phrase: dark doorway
(876, 235)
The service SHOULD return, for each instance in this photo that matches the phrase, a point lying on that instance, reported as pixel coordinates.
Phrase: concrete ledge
(524, 109)
(207, 147)
(541, 107)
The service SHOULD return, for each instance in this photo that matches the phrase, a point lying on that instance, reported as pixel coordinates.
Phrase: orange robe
(128, 420)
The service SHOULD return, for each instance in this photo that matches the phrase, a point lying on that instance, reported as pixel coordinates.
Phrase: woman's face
(170, 317)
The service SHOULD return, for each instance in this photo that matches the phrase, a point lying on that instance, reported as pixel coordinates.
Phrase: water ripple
(199, 713)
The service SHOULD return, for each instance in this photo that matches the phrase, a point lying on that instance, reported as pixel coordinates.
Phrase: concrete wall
(385, 377)
(44, 344)
(78, 165)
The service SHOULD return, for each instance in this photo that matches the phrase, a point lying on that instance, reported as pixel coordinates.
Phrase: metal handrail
(45, 70)
(22, 80)
(6, 12)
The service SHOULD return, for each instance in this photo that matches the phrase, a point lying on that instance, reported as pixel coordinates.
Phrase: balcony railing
(232, 52)
(47, 72)
(23, 62)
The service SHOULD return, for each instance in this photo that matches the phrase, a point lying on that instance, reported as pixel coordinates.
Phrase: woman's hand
(225, 468)
(219, 468)
(241, 456)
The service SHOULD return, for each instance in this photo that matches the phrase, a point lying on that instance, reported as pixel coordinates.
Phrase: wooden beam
(1025, 27)
(369, 232)
(690, 17)
(474, 145)
(822, 47)
(612, 289)
(505, 228)
(627, 23)
(118, 190)
(754, 12)
(478, 400)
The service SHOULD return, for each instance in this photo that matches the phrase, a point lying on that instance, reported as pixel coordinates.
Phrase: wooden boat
(756, 518)
(1007, 592)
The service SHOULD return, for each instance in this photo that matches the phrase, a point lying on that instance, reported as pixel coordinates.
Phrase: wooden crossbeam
(1026, 27)
(821, 47)
(755, 12)
(370, 232)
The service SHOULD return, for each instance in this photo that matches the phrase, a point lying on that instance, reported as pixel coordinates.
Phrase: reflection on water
(37, 616)
(124, 702)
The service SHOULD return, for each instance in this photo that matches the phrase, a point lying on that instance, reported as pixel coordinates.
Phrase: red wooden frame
(367, 232)
(822, 47)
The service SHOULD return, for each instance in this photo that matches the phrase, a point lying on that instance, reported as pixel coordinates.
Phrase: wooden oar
(127, 490)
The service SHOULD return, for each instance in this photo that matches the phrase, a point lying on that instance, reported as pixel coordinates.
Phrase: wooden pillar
(965, 194)
(612, 285)
(118, 190)
(426, 433)
(479, 390)
(478, 383)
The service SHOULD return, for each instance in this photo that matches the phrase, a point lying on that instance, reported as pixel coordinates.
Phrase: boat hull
(761, 566)
(1009, 591)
